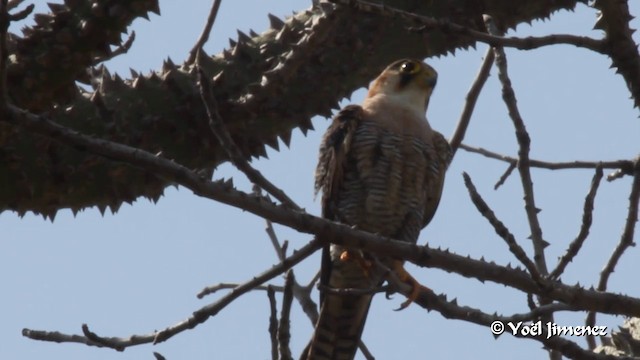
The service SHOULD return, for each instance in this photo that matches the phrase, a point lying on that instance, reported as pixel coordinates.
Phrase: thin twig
(284, 333)
(112, 343)
(501, 230)
(428, 23)
(470, 103)
(626, 166)
(122, 48)
(587, 219)
(524, 142)
(206, 32)
(235, 155)
(20, 15)
(273, 322)
(626, 240)
(504, 176)
(221, 286)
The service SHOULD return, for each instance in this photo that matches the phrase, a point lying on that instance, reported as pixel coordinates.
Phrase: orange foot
(407, 278)
(351, 256)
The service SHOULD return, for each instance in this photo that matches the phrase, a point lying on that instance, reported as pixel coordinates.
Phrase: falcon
(381, 169)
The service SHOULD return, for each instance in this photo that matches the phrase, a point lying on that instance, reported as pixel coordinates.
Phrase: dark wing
(440, 160)
(341, 318)
(333, 155)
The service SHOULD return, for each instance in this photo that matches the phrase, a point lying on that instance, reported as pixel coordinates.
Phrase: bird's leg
(350, 255)
(405, 277)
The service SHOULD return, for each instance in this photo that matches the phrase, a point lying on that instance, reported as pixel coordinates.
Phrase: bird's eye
(409, 67)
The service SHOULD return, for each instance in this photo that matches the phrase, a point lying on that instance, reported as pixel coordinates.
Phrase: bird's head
(408, 81)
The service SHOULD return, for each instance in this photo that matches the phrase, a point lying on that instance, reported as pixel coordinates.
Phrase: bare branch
(587, 218)
(121, 49)
(505, 176)
(451, 310)
(625, 166)
(523, 154)
(273, 323)
(428, 23)
(111, 342)
(626, 240)
(206, 32)
(20, 15)
(470, 103)
(159, 356)
(199, 316)
(58, 337)
(501, 230)
(214, 288)
(614, 18)
(235, 155)
(284, 334)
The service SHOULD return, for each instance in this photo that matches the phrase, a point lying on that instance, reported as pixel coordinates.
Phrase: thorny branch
(524, 142)
(428, 23)
(624, 166)
(500, 229)
(587, 218)
(626, 240)
(198, 317)
(235, 155)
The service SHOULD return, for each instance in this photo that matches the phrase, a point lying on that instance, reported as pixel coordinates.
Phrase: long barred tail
(342, 315)
(339, 328)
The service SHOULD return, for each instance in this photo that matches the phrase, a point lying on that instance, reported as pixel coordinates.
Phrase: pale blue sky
(139, 270)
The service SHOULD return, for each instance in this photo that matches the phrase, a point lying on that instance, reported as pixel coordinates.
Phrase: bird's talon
(345, 256)
(365, 264)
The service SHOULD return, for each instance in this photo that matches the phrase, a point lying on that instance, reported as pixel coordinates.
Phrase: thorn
(243, 38)
(275, 22)
(286, 137)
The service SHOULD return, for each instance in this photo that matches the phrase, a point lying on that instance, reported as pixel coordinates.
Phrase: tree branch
(501, 230)
(587, 218)
(524, 142)
(626, 240)
(428, 24)
(470, 103)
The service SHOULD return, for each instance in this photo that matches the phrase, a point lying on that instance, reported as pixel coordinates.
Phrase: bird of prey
(381, 169)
